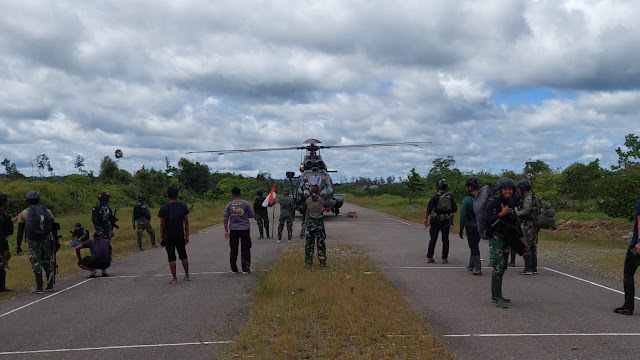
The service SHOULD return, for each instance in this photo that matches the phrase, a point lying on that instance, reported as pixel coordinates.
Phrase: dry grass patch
(347, 310)
(20, 277)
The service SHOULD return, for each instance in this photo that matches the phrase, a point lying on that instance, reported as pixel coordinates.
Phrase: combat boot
(323, 263)
(496, 290)
(38, 289)
(153, 240)
(261, 232)
(477, 265)
(3, 281)
(49, 282)
(266, 228)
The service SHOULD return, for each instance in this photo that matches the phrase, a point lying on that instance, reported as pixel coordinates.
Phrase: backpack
(543, 213)
(480, 201)
(444, 203)
(138, 212)
(38, 224)
(97, 217)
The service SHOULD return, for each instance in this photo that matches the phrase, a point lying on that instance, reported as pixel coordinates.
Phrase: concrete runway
(135, 314)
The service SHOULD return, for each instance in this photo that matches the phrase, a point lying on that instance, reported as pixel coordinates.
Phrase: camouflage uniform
(142, 224)
(105, 226)
(498, 256)
(39, 251)
(286, 215)
(530, 232)
(315, 231)
(262, 215)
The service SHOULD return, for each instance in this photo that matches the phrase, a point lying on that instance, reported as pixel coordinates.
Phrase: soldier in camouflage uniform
(101, 216)
(315, 228)
(39, 250)
(502, 227)
(262, 215)
(6, 229)
(287, 211)
(525, 213)
(141, 220)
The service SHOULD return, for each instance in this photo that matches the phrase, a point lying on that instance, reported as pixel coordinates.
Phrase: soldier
(468, 221)
(262, 215)
(503, 230)
(631, 264)
(439, 216)
(518, 199)
(35, 224)
(6, 229)
(102, 216)
(141, 220)
(286, 215)
(315, 228)
(525, 213)
(78, 235)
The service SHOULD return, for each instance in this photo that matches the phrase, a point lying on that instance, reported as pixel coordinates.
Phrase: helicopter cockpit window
(315, 180)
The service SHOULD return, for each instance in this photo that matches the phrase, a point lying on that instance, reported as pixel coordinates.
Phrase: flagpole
(273, 226)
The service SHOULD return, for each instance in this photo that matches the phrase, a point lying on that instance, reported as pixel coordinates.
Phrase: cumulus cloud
(159, 80)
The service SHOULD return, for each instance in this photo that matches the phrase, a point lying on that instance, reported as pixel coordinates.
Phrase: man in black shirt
(439, 216)
(174, 232)
(100, 258)
(6, 229)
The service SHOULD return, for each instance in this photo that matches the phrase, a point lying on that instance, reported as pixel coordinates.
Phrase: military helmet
(77, 225)
(442, 184)
(259, 192)
(505, 182)
(141, 197)
(472, 182)
(524, 184)
(104, 197)
(32, 195)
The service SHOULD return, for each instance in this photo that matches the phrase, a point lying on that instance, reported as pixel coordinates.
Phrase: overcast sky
(493, 83)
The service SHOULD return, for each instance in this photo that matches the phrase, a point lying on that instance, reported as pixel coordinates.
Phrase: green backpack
(543, 213)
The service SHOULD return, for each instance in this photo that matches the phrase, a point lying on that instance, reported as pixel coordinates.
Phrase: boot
(38, 289)
(470, 265)
(140, 243)
(3, 281)
(477, 265)
(266, 228)
(512, 263)
(153, 240)
(261, 232)
(496, 290)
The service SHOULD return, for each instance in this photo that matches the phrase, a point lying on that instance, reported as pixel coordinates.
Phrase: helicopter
(313, 170)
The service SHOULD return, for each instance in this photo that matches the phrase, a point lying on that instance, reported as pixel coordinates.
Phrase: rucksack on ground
(480, 201)
(543, 213)
(38, 224)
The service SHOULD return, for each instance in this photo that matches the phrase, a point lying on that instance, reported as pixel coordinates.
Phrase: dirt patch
(602, 228)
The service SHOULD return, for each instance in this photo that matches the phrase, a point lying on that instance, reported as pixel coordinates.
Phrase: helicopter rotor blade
(221, 152)
(407, 143)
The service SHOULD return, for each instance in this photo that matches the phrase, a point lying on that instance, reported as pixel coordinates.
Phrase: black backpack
(38, 224)
(138, 212)
(97, 216)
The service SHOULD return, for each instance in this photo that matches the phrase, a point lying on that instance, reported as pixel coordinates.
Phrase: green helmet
(506, 183)
(524, 184)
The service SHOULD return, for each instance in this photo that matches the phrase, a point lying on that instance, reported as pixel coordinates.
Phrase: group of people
(508, 221)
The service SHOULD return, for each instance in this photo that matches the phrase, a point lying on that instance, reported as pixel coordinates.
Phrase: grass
(347, 311)
(20, 276)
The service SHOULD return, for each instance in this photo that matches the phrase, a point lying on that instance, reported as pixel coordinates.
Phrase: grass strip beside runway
(347, 310)
(20, 277)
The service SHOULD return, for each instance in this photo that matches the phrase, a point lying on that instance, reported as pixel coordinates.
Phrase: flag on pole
(271, 198)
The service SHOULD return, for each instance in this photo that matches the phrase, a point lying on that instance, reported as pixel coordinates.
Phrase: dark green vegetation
(579, 188)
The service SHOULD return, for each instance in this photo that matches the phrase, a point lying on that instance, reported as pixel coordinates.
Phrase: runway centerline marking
(114, 347)
(162, 275)
(45, 298)
(587, 281)
(390, 217)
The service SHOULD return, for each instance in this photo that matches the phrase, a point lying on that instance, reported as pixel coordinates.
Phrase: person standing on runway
(439, 216)
(261, 214)
(468, 221)
(631, 263)
(174, 232)
(525, 212)
(237, 229)
(287, 211)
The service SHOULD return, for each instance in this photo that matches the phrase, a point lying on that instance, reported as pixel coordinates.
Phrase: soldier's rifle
(55, 246)
(114, 218)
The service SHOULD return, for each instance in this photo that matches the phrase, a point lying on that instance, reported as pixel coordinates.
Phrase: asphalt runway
(135, 314)
(560, 313)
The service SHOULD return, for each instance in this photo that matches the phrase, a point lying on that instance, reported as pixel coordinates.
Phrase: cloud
(159, 80)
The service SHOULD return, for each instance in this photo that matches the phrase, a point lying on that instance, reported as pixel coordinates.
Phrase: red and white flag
(271, 198)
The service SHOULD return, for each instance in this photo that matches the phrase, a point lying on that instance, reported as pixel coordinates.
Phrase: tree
(629, 157)
(193, 176)
(391, 179)
(11, 170)
(169, 170)
(535, 168)
(44, 164)
(578, 180)
(415, 184)
(108, 169)
(79, 164)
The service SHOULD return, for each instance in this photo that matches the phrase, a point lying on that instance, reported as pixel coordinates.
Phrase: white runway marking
(587, 281)
(392, 218)
(529, 335)
(114, 347)
(162, 275)
(442, 267)
(44, 298)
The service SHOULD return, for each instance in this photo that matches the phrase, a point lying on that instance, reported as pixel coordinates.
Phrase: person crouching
(101, 252)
